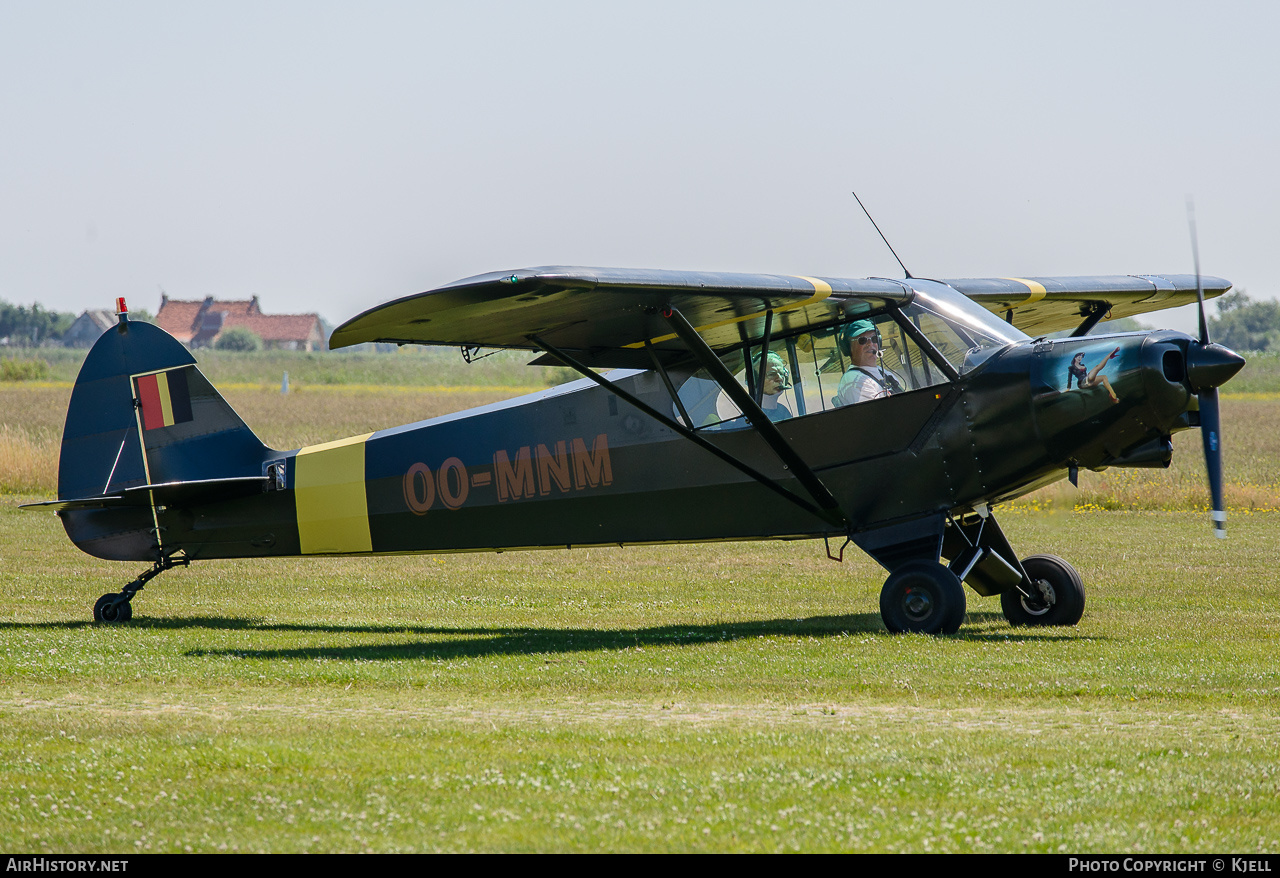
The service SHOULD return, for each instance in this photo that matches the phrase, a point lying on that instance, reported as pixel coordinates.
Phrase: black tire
(922, 597)
(111, 609)
(1061, 592)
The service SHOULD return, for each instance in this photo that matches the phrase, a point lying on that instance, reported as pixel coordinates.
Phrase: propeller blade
(1211, 433)
(1208, 366)
(1195, 256)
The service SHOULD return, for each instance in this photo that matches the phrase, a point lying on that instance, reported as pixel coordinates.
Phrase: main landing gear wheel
(1058, 598)
(112, 608)
(922, 597)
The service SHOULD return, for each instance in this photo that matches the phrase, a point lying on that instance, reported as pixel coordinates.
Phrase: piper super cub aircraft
(897, 414)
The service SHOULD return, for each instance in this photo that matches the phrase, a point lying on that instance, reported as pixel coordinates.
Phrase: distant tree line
(35, 325)
(1245, 325)
(30, 326)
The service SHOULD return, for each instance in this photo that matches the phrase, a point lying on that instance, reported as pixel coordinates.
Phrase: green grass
(740, 697)
(1261, 374)
(17, 369)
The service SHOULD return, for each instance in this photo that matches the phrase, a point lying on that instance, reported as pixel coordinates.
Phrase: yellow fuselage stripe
(166, 403)
(1037, 291)
(329, 489)
(821, 288)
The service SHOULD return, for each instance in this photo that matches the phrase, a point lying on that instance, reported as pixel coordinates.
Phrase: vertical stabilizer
(140, 389)
(142, 413)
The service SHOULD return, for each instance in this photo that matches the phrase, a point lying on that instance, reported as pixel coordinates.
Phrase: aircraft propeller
(1208, 366)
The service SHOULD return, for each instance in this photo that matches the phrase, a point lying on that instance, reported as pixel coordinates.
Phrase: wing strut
(689, 434)
(666, 379)
(1096, 312)
(764, 356)
(746, 404)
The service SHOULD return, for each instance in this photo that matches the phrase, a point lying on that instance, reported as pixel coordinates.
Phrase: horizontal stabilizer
(164, 494)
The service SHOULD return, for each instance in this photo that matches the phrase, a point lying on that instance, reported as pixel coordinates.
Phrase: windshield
(964, 332)
(960, 309)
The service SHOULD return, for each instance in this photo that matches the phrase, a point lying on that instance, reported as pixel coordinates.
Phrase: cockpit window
(814, 372)
(966, 333)
(709, 406)
(865, 359)
(963, 345)
(869, 356)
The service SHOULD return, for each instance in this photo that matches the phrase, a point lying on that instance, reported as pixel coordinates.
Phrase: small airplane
(893, 414)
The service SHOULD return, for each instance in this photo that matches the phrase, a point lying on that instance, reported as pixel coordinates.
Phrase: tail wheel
(112, 608)
(922, 597)
(1057, 594)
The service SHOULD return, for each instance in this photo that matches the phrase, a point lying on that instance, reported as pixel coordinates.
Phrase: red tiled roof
(275, 327)
(236, 306)
(178, 318)
(205, 320)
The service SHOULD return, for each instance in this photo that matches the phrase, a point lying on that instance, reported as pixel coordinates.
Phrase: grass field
(720, 698)
(739, 697)
(408, 366)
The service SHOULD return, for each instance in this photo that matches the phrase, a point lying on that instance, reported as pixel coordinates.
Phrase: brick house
(199, 323)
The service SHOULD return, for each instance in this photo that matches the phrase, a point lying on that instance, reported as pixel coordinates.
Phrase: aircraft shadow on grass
(487, 642)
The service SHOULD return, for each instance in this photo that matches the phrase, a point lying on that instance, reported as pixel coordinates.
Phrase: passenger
(867, 378)
(777, 378)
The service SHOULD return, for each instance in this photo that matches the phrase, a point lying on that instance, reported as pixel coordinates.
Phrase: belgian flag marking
(165, 398)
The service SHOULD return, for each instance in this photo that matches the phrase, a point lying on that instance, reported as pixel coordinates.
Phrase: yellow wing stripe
(1037, 291)
(329, 488)
(821, 289)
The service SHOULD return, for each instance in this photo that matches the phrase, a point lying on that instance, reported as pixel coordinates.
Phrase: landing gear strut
(112, 608)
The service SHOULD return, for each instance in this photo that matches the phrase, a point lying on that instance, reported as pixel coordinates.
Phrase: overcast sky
(332, 156)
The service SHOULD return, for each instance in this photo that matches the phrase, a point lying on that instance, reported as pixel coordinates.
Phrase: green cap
(850, 331)
(858, 327)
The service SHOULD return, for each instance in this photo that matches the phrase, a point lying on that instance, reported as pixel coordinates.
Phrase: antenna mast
(881, 234)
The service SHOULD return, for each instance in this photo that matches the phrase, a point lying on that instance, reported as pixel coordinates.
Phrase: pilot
(777, 378)
(866, 378)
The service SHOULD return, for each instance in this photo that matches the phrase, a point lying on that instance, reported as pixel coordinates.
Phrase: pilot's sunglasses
(863, 339)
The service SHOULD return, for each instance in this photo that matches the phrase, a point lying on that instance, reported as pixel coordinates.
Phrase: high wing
(604, 316)
(1041, 305)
